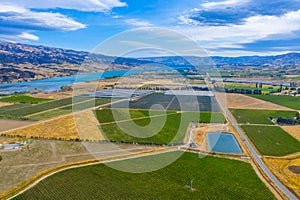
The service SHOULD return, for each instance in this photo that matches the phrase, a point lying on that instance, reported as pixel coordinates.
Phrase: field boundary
(31, 182)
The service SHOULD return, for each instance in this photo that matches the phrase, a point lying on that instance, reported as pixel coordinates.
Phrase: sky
(223, 28)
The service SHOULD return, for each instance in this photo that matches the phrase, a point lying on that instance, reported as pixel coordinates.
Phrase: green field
(272, 140)
(170, 133)
(213, 178)
(107, 115)
(246, 116)
(288, 101)
(264, 90)
(49, 114)
(20, 111)
(23, 99)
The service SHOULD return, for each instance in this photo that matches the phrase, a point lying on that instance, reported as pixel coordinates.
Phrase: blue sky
(224, 27)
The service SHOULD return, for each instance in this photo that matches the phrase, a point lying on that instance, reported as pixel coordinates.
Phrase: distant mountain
(22, 62)
(278, 60)
(11, 53)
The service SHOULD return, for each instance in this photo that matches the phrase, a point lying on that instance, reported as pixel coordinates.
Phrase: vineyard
(227, 179)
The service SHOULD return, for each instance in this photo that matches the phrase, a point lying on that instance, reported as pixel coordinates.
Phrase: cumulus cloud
(18, 23)
(227, 12)
(19, 19)
(255, 28)
(136, 22)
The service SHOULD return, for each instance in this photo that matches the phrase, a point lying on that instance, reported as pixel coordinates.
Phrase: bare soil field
(52, 95)
(246, 102)
(7, 124)
(282, 169)
(293, 131)
(5, 104)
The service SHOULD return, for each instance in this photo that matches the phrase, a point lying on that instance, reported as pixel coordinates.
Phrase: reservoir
(54, 84)
(222, 142)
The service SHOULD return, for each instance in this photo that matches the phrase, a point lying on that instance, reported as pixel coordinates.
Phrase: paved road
(257, 157)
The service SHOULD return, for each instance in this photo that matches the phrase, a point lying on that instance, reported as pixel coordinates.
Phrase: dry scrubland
(63, 128)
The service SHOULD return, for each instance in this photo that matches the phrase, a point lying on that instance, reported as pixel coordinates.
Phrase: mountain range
(19, 62)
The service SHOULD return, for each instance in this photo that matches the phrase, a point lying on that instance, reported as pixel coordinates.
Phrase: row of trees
(238, 90)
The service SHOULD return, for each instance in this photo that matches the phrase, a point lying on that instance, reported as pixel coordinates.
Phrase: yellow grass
(293, 131)
(87, 126)
(280, 168)
(63, 128)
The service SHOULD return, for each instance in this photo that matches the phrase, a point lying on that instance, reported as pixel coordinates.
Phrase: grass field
(23, 99)
(172, 102)
(213, 178)
(288, 101)
(259, 116)
(170, 132)
(49, 114)
(107, 115)
(272, 140)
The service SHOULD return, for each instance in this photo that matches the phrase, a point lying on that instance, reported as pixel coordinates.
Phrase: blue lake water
(222, 142)
(54, 84)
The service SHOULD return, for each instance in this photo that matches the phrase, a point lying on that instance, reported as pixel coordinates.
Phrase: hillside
(22, 62)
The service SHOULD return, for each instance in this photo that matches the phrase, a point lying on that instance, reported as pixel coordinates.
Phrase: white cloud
(82, 5)
(255, 28)
(185, 19)
(28, 36)
(220, 4)
(18, 19)
(136, 22)
(18, 23)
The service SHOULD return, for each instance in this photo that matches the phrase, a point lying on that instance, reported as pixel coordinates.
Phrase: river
(54, 84)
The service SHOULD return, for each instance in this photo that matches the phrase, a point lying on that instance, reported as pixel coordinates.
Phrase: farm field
(62, 128)
(7, 124)
(107, 115)
(288, 101)
(286, 171)
(293, 131)
(49, 114)
(241, 101)
(11, 112)
(271, 140)
(57, 107)
(24, 99)
(168, 131)
(227, 179)
(246, 116)
(264, 90)
(172, 102)
(68, 109)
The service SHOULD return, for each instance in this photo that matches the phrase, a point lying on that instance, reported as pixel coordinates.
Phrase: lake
(54, 84)
(222, 142)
